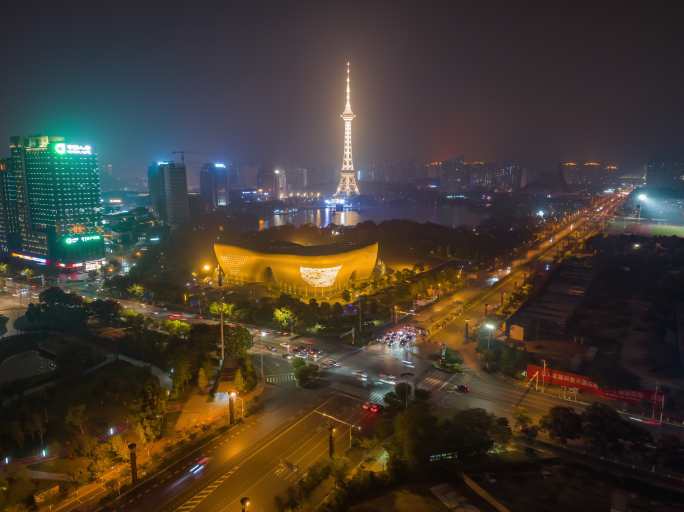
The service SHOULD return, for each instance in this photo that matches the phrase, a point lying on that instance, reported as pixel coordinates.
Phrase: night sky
(265, 83)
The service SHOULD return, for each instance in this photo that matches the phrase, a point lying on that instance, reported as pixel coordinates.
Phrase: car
(387, 379)
(273, 349)
(199, 465)
(361, 374)
(463, 388)
(371, 407)
(332, 363)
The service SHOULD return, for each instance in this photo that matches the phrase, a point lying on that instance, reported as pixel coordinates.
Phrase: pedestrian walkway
(281, 378)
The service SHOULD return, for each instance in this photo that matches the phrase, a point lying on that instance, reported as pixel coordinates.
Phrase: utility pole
(134, 463)
(360, 314)
(222, 340)
(544, 376)
(231, 407)
(331, 441)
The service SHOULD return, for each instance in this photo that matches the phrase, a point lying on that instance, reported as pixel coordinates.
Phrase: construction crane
(181, 152)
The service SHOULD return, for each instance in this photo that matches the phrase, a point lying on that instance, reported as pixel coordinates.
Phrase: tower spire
(348, 106)
(347, 185)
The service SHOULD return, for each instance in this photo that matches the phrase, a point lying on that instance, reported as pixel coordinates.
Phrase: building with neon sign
(53, 203)
(303, 271)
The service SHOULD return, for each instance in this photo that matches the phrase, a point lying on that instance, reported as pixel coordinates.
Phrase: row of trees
(58, 310)
(605, 432)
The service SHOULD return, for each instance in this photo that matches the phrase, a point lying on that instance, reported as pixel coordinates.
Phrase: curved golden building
(302, 270)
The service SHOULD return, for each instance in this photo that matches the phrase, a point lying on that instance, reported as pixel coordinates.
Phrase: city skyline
(533, 85)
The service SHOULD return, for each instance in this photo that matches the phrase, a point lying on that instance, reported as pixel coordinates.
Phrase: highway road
(269, 468)
(234, 450)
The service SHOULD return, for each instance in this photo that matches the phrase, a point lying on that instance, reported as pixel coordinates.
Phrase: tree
(470, 433)
(238, 340)
(500, 431)
(414, 438)
(181, 373)
(202, 381)
(3, 324)
(3, 269)
(136, 290)
(177, 328)
(521, 418)
(27, 273)
(399, 398)
(106, 311)
(562, 423)
(76, 417)
(306, 375)
(239, 380)
(284, 317)
(346, 296)
(119, 447)
(228, 309)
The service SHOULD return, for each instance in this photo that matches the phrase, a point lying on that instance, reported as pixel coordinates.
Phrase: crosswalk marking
(281, 378)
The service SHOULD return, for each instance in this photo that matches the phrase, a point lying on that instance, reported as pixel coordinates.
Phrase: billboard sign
(575, 380)
(73, 149)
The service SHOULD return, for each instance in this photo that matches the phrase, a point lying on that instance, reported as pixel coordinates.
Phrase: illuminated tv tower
(348, 186)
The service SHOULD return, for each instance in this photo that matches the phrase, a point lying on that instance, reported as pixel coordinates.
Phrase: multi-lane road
(260, 458)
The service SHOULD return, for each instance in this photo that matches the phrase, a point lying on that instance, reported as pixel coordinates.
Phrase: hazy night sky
(266, 84)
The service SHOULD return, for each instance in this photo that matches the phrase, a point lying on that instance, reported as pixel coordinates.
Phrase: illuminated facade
(55, 203)
(318, 271)
(347, 186)
(214, 186)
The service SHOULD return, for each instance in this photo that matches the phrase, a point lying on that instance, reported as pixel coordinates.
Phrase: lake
(446, 215)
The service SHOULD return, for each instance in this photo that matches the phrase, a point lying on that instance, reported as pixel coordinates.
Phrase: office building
(214, 186)
(8, 222)
(168, 187)
(54, 207)
(279, 184)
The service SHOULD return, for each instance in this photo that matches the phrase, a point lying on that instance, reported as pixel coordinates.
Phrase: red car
(371, 407)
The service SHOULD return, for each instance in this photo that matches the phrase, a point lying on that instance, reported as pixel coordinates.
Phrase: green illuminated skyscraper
(56, 202)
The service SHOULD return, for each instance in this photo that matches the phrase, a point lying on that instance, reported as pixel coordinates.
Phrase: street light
(244, 502)
(234, 396)
(642, 197)
(490, 328)
(206, 267)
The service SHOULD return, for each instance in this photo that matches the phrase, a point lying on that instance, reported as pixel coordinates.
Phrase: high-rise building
(54, 203)
(666, 173)
(214, 186)
(587, 175)
(279, 184)
(298, 179)
(9, 229)
(168, 186)
(348, 185)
